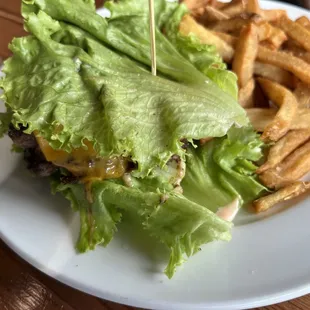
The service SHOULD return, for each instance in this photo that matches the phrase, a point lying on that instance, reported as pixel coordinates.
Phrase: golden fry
(284, 147)
(289, 192)
(245, 54)
(253, 7)
(235, 24)
(268, 44)
(212, 14)
(294, 167)
(260, 118)
(234, 8)
(246, 95)
(302, 94)
(302, 119)
(264, 31)
(306, 57)
(277, 37)
(285, 61)
(274, 73)
(295, 31)
(228, 38)
(293, 47)
(303, 21)
(273, 15)
(189, 26)
(198, 13)
(283, 98)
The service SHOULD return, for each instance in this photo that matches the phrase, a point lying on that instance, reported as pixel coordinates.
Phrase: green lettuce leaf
(5, 120)
(163, 9)
(128, 32)
(182, 225)
(98, 219)
(204, 57)
(62, 77)
(223, 170)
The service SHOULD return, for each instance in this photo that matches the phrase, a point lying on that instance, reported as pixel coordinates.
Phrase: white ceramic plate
(267, 261)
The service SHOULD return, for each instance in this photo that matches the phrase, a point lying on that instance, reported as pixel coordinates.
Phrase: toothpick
(152, 36)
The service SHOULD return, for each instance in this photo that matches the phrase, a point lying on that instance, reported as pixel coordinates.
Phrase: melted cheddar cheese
(84, 163)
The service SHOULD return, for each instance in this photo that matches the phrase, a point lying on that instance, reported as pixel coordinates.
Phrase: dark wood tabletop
(22, 287)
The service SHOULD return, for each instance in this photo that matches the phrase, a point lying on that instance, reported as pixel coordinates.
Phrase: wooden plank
(12, 29)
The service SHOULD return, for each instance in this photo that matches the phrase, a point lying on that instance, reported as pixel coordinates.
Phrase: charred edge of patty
(33, 155)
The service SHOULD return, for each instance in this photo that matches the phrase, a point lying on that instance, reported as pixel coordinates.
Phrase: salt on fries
(270, 54)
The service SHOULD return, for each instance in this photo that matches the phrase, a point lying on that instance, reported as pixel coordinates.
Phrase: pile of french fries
(270, 54)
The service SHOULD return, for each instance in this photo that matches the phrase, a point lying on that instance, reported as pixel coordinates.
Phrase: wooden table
(21, 285)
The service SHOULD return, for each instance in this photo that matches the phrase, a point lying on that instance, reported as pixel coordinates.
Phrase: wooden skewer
(152, 36)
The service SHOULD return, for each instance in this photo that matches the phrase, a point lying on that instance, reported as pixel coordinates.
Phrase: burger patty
(38, 165)
(33, 156)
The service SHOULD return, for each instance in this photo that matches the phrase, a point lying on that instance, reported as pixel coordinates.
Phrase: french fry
(268, 44)
(302, 119)
(235, 24)
(303, 21)
(188, 26)
(284, 147)
(283, 98)
(245, 54)
(211, 15)
(293, 47)
(285, 61)
(198, 13)
(302, 94)
(264, 31)
(234, 8)
(246, 95)
(253, 7)
(228, 38)
(272, 15)
(289, 192)
(274, 73)
(277, 37)
(294, 167)
(295, 31)
(260, 118)
(230, 26)
(305, 57)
